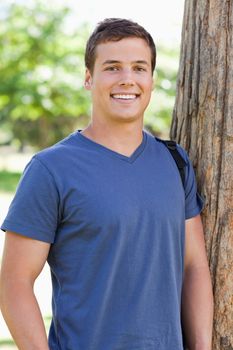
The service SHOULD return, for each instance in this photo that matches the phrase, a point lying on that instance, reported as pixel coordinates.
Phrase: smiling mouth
(127, 97)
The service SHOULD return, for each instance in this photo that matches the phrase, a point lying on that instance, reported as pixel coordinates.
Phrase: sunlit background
(42, 98)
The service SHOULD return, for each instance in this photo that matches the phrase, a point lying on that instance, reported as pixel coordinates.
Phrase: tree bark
(203, 124)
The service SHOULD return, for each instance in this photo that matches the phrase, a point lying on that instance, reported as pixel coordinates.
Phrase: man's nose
(126, 78)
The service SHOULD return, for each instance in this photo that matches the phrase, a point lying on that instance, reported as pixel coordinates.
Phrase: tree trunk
(203, 125)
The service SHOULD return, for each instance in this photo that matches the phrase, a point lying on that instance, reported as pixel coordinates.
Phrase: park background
(41, 92)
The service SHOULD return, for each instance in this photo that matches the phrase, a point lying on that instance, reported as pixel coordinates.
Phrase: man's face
(121, 82)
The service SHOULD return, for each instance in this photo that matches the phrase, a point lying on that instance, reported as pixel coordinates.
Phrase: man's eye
(140, 69)
(111, 68)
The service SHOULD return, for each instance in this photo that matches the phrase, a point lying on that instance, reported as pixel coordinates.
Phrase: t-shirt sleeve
(193, 200)
(34, 211)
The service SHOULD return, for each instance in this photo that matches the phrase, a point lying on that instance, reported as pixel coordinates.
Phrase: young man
(107, 209)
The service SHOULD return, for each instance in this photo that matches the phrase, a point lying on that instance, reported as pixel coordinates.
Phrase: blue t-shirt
(116, 225)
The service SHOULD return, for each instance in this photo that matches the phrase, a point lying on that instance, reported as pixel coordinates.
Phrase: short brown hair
(115, 29)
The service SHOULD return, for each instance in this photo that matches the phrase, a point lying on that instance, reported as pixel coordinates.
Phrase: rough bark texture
(203, 124)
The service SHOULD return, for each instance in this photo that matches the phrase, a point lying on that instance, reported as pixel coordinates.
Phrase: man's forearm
(197, 308)
(22, 315)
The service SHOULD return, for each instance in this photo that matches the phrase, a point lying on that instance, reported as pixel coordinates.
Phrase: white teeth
(124, 97)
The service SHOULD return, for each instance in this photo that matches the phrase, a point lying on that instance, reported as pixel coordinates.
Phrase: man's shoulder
(171, 149)
(57, 150)
(166, 143)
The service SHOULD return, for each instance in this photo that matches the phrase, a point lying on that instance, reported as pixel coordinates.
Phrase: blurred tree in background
(41, 95)
(42, 98)
(159, 113)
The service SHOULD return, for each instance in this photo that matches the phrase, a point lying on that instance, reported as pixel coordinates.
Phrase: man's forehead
(134, 49)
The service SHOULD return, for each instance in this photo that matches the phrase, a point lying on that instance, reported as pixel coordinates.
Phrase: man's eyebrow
(134, 62)
(142, 62)
(111, 61)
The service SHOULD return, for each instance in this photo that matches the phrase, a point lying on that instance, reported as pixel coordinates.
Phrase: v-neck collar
(112, 153)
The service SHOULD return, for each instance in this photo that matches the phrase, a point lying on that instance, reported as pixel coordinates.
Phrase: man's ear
(88, 80)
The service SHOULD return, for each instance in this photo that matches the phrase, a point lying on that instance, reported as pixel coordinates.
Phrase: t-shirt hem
(25, 231)
(193, 212)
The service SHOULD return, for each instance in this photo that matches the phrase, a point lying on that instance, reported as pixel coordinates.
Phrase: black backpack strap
(180, 162)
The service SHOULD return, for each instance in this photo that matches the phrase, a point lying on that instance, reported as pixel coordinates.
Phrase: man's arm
(197, 297)
(23, 260)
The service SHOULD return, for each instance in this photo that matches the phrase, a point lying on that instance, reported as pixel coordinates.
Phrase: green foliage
(158, 115)
(9, 181)
(42, 98)
(42, 69)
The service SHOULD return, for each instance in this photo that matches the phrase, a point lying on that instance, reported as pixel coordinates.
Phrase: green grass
(9, 181)
(7, 342)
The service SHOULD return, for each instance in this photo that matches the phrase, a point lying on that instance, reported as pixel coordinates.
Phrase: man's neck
(123, 139)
